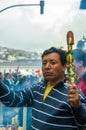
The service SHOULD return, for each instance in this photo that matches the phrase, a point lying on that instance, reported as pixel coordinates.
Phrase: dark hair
(62, 53)
(80, 55)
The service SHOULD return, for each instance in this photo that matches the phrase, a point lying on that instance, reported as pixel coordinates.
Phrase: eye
(53, 62)
(44, 63)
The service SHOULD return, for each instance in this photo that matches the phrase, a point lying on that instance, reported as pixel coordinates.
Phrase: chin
(48, 78)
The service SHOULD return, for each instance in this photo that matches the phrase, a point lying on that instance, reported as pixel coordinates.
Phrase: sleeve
(13, 98)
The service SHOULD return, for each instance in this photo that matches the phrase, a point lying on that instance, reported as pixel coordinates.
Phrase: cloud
(25, 28)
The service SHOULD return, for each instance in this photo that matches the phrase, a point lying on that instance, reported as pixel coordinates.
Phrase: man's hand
(73, 96)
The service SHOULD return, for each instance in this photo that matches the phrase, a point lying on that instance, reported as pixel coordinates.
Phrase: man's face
(77, 66)
(52, 68)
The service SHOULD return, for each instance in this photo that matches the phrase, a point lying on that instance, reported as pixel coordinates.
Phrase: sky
(26, 29)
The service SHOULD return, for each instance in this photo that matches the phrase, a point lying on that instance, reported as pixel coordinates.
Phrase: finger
(73, 89)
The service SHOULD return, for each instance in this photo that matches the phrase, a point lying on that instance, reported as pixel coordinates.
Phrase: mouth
(48, 74)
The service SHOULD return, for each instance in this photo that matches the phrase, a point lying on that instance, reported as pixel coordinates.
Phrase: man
(55, 106)
(80, 68)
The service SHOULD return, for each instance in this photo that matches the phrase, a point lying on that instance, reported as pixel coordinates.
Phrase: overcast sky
(25, 28)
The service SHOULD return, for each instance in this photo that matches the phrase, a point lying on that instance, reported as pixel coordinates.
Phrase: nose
(48, 65)
(73, 63)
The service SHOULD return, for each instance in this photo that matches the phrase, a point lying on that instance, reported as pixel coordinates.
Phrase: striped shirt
(53, 113)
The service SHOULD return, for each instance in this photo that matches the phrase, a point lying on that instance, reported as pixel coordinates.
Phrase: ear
(64, 67)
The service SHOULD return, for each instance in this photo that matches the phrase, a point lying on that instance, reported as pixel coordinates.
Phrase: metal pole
(1, 115)
(12, 6)
(24, 118)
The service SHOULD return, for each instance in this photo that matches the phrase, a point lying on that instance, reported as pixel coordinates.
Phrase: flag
(17, 69)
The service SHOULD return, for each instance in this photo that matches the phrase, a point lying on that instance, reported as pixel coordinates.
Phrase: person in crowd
(7, 80)
(1, 76)
(55, 105)
(80, 68)
(80, 44)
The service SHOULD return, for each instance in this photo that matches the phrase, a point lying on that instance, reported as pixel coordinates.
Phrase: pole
(12, 6)
(24, 118)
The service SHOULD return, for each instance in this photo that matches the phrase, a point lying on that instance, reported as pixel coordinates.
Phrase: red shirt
(82, 83)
